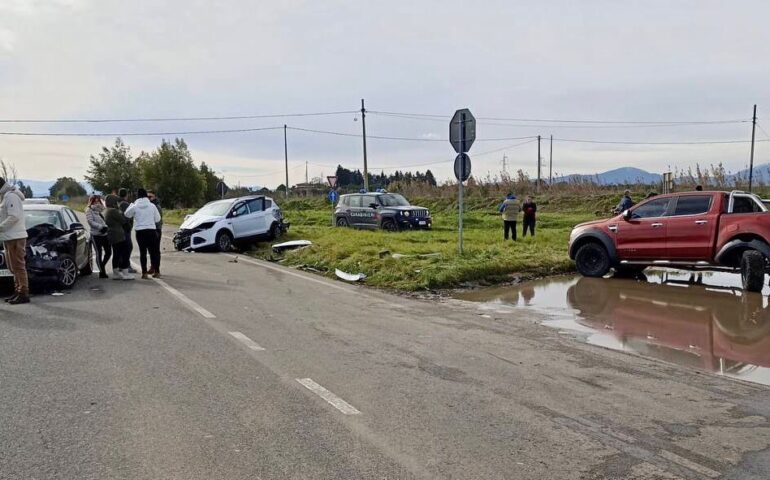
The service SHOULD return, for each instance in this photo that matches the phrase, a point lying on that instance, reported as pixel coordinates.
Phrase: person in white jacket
(13, 234)
(145, 216)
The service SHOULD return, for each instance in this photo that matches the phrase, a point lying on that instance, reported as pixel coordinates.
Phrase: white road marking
(287, 272)
(696, 467)
(180, 296)
(246, 341)
(331, 398)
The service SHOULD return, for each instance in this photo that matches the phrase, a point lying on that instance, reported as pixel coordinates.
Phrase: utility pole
(306, 180)
(550, 164)
(363, 126)
(505, 161)
(286, 159)
(751, 158)
(537, 185)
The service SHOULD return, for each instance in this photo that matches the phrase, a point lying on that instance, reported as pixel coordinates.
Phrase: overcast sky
(590, 60)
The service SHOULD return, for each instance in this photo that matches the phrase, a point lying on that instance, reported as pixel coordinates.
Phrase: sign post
(333, 197)
(222, 189)
(462, 134)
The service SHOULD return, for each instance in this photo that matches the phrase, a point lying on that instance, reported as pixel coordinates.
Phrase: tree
(210, 181)
(113, 168)
(67, 186)
(170, 171)
(25, 190)
(8, 171)
(430, 179)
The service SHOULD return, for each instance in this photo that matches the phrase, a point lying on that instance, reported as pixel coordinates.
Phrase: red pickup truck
(692, 230)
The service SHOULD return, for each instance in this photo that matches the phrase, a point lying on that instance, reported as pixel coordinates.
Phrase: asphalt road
(240, 369)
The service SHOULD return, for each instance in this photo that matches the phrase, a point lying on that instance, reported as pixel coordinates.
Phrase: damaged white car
(221, 224)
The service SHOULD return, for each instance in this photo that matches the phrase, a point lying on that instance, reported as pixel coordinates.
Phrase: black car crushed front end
(51, 255)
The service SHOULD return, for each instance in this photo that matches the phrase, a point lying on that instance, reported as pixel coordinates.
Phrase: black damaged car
(58, 246)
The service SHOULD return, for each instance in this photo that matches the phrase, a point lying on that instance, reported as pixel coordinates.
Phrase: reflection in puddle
(701, 320)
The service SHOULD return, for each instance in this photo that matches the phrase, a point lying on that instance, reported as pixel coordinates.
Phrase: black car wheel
(224, 241)
(67, 273)
(342, 222)
(592, 260)
(752, 270)
(389, 225)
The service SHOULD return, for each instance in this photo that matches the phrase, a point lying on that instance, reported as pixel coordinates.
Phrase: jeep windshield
(393, 200)
(215, 209)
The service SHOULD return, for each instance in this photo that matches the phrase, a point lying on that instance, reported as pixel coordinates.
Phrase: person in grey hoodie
(13, 234)
(99, 229)
(146, 216)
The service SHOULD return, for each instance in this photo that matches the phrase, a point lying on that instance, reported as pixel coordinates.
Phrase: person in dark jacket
(158, 226)
(123, 203)
(625, 202)
(529, 208)
(116, 233)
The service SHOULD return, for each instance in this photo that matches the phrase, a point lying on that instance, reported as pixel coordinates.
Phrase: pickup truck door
(691, 229)
(643, 236)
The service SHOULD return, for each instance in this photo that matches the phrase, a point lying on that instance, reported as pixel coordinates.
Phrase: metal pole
(286, 159)
(550, 163)
(363, 126)
(537, 185)
(751, 158)
(461, 127)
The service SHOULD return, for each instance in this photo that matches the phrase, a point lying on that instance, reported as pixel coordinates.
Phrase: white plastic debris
(279, 247)
(349, 277)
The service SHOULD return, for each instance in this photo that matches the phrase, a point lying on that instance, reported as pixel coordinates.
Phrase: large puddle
(702, 320)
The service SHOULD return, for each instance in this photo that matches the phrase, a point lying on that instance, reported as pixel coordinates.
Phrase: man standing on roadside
(13, 234)
(123, 203)
(146, 217)
(158, 227)
(530, 209)
(510, 209)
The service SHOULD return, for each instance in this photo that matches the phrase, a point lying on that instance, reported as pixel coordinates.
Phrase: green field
(487, 258)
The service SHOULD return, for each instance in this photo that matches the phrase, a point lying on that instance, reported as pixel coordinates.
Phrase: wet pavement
(702, 321)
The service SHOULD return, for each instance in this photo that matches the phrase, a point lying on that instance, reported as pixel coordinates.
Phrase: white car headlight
(405, 213)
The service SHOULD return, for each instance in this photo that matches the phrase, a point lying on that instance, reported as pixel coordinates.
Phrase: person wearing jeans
(158, 227)
(529, 207)
(146, 217)
(99, 229)
(13, 234)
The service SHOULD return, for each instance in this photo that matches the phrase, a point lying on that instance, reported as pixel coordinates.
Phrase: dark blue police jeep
(389, 211)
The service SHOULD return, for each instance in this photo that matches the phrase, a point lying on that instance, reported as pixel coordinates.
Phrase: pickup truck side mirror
(626, 215)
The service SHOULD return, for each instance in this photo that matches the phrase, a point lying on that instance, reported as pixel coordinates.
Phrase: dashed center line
(331, 398)
(247, 341)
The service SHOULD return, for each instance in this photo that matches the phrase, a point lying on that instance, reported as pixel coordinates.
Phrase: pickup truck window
(652, 209)
(692, 205)
(745, 204)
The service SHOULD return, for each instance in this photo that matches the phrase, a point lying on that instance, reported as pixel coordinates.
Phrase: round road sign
(333, 196)
(462, 167)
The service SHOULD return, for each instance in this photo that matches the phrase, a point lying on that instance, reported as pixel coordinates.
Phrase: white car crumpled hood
(195, 220)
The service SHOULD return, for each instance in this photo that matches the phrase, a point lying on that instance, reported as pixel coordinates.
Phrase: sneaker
(151, 271)
(156, 275)
(8, 300)
(127, 275)
(116, 274)
(131, 270)
(19, 299)
(145, 276)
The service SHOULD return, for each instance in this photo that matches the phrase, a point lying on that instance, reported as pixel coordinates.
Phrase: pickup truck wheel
(752, 270)
(592, 260)
(224, 241)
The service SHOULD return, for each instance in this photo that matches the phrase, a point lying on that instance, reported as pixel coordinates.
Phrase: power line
(409, 139)
(136, 134)
(552, 120)
(178, 119)
(763, 131)
(624, 142)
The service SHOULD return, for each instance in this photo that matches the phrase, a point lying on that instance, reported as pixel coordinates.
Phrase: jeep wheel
(592, 260)
(752, 270)
(389, 225)
(342, 222)
(224, 241)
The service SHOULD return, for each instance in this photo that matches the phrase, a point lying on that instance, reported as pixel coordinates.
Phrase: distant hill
(623, 175)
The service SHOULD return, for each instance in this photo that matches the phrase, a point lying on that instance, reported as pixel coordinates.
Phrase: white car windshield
(33, 218)
(393, 200)
(216, 209)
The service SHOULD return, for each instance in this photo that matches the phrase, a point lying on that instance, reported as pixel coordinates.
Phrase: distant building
(309, 189)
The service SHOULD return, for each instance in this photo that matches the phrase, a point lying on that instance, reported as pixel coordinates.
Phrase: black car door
(82, 250)
(369, 206)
